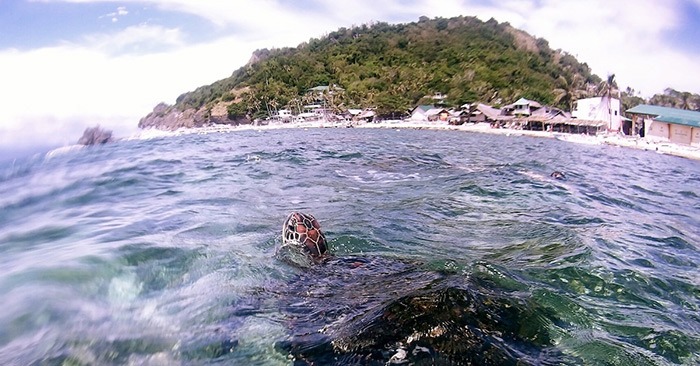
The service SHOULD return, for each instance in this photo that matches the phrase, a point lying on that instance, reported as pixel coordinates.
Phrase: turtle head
(303, 231)
(558, 175)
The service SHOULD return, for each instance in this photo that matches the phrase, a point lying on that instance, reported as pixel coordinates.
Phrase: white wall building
(599, 109)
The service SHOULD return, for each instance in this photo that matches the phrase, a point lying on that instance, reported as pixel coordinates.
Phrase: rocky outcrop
(95, 136)
(166, 117)
(259, 55)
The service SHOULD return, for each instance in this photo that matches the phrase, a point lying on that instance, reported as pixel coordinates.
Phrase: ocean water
(449, 247)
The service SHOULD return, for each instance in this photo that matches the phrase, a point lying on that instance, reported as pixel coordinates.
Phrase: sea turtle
(558, 175)
(375, 310)
(303, 231)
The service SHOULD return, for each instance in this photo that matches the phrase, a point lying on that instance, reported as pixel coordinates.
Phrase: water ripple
(162, 251)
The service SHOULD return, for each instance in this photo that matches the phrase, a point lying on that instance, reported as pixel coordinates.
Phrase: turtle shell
(303, 230)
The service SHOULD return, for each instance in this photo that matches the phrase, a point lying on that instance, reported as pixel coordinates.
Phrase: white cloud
(613, 37)
(51, 94)
(141, 38)
(120, 12)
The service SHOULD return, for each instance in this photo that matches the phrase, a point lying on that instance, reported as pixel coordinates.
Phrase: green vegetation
(394, 67)
(676, 99)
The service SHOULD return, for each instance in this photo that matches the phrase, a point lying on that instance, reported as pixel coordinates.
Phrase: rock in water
(95, 135)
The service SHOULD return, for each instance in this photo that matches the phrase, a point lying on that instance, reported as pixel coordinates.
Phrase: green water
(162, 251)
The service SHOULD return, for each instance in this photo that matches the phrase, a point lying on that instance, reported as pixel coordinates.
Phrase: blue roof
(424, 107)
(668, 115)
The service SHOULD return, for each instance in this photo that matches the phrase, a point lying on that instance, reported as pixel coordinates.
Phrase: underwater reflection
(376, 311)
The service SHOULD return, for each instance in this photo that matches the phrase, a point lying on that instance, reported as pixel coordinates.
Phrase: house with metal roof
(322, 92)
(522, 107)
(419, 113)
(667, 124)
(429, 113)
(438, 115)
(325, 88)
(490, 113)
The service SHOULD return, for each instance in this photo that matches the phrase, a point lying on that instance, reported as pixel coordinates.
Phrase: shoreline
(667, 148)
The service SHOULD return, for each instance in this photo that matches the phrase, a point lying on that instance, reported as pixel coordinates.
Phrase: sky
(70, 64)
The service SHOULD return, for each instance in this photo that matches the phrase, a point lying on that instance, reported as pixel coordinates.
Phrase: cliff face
(171, 117)
(167, 117)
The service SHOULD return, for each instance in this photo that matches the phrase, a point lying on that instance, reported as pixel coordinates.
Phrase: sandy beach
(690, 152)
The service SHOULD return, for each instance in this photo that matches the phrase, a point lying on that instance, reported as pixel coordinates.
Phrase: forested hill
(391, 68)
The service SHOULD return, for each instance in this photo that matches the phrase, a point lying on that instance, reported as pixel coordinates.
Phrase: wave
(63, 150)
(152, 133)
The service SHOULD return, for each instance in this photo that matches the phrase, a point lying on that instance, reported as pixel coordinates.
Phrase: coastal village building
(366, 115)
(438, 114)
(665, 124)
(351, 113)
(522, 108)
(439, 99)
(284, 115)
(429, 113)
(468, 113)
(322, 90)
(524, 114)
(489, 113)
(419, 113)
(531, 115)
(478, 113)
(547, 119)
(599, 109)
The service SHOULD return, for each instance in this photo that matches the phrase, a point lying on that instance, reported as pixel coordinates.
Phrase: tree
(569, 91)
(392, 66)
(676, 99)
(605, 90)
(236, 111)
(607, 87)
(629, 98)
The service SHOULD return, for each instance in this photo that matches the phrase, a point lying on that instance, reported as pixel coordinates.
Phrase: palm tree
(685, 100)
(676, 99)
(607, 87)
(569, 92)
(664, 100)
(605, 90)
